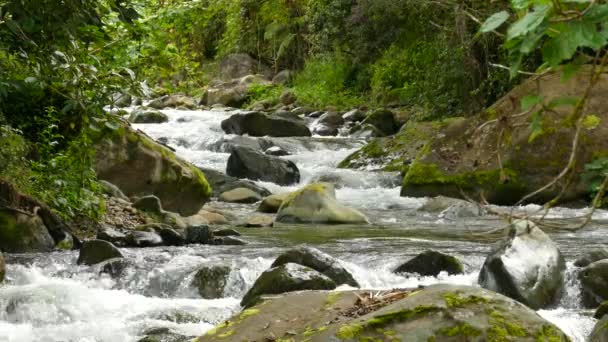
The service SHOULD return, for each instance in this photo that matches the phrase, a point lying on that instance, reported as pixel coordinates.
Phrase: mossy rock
(601, 310)
(139, 167)
(383, 120)
(594, 283)
(272, 203)
(96, 251)
(21, 233)
(316, 203)
(591, 257)
(147, 116)
(600, 331)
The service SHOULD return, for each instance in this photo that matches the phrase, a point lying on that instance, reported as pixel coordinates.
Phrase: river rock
(600, 331)
(325, 131)
(2, 268)
(173, 101)
(316, 203)
(440, 313)
(258, 124)
(591, 257)
(283, 77)
(112, 235)
(272, 203)
(23, 233)
(199, 235)
(365, 131)
(228, 241)
(95, 251)
(382, 119)
(451, 208)
(240, 195)
(147, 116)
(238, 65)
(276, 151)
(220, 182)
(233, 93)
(526, 266)
(140, 167)
(431, 263)
(115, 267)
(601, 310)
(226, 232)
(247, 163)
(163, 335)
(170, 236)
(143, 239)
(258, 221)
(594, 283)
(318, 261)
(288, 97)
(286, 278)
(150, 204)
(122, 100)
(354, 115)
(211, 281)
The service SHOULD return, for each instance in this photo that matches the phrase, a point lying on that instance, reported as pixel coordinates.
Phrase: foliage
(264, 92)
(594, 175)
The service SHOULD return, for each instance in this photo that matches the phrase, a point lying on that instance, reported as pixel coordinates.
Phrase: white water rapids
(49, 298)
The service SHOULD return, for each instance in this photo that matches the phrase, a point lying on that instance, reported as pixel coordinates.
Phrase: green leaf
(530, 101)
(597, 14)
(529, 22)
(591, 122)
(563, 101)
(494, 21)
(536, 126)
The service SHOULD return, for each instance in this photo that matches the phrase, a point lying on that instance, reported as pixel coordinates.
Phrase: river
(47, 297)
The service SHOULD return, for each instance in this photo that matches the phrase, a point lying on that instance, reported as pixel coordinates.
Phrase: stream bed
(48, 297)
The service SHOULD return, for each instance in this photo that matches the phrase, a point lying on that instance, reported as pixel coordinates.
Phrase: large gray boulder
(259, 124)
(139, 167)
(23, 233)
(592, 256)
(316, 203)
(96, 251)
(440, 313)
(247, 163)
(431, 263)
(526, 266)
(147, 116)
(318, 261)
(286, 278)
(383, 120)
(238, 65)
(594, 283)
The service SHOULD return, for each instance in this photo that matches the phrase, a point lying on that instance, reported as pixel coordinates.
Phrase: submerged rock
(451, 208)
(318, 261)
(431, 263)
(147, 116)
(199, 235)
(594, 283)
(96, 251)
(240, 195)
(258, 124)
(600, 331)
(211, 281)
(143, 239)
(272, 203)
(316, 203)
(591, 257)
(258, 221)
(115, 267)
(247, 163)
(441, 313)
(526, 266)
(286, 278)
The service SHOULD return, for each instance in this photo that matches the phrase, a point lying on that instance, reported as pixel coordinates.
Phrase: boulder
(233, 93)
(383, 120)
(220, 183)
(318, 261)
(247, 163)
(258, 221)
(276, 151)
(173, 101)
(140, 167)
(316, 203)
(226, 232)
(325, 131)
(141, 239)
(121, 100)
(440, 313)
(288, 97)
(600, 331)
(451, 208)
(147, 116)
(199, 235)
(332, 119)
(258, 124)
(594, 283)
(354, 115)
(286, 278)
(211, 281)
(96, 251)
(115, 267)
(431, 263)
(366, 131)
(272, 203)
(238, 65)
(591, 257)
(2, 268)
(240, 195)
(601, 310)
(284, 77)
(149, 204)
(526, 266)
(21, 232)
(115, 236)
(170, 236)
(112, 190)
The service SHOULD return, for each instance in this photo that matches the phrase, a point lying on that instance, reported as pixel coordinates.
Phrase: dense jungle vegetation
(62, 61)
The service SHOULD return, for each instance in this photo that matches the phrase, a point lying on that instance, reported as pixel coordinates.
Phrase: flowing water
(49, 298)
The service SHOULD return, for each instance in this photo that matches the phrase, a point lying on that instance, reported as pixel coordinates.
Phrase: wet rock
(331, 119)
(2, 268)
(173, 101)
(234, 93)
(221, 183)
(171, 237)
(316, 114)
(258, 124)
(594, 283)
(112, 235)
(121, 100)
(250, 164)
(272, 203)
(600, 331)
(284, 77)
(318, 261)
(325, 131)
(240, 195)
(365, 131)
(199, 235)
(431, 263)
(601, 310)
(258, 221)
(113, 191)
(451, 208)
(205, 217)
(95, 251)
(384, 120)
(591, 257)
(241, 64)
(115, 267)
(150, 204)
(23, 233)
(143, 239)
(316, 203)
(276, 151)
(288, 97)
(228, 241)
(286, 278)
(211, 281)
(163, 335)
(526, 266)
(226, 232)
(147, 116)
(354, 115)
(139, 167)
